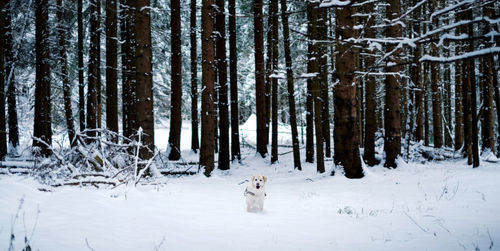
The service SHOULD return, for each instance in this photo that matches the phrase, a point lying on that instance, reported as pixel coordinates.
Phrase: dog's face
(259, 181)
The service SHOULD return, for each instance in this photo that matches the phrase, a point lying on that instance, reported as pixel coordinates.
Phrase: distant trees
(429, 75)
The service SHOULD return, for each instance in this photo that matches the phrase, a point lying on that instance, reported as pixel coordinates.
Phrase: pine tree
(346, 140)
(195, 142)
(223, 88)
(290, 85)
(233, 79)
(174, 138)
(260, 88)
(112, 65)
(42, 127)
(64, 73)
(208, 79)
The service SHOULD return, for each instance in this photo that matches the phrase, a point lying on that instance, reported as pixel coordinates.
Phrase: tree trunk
(10, 79)
(111, 66)
(3, 136)
(208, 78)
(93, 67)
(471, 89)
(370, 96)
(437, 121)
(42, 127)
(81, 81)
(488, 132)
(459, 121)
(309, 110)
(128, 67)
(260, 87)
(144, 76)
(174, 138)
(220, 23)
(273, 15)
(346, 132)
(269, 69)
(195, 141)
(325, 116)
(392, 140)
(290, 85)
(64, 73)
(233, 78)
(312, 16)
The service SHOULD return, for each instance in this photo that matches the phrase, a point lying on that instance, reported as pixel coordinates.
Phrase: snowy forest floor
(443, 205)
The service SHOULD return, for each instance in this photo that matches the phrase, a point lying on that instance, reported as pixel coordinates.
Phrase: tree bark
(273, 15)
(290, 85)
(488, 132)
(174, 139)
(370, 96)
(112, 66)
(309, 110)
(64, 73)
(195, 141)
(93, 68)
(459, 112)
(437, 120)
(346, 132)
(233, 79)
(144, 76)
(10, 79)
(392, 141)
(42, 126)
(325, 116)
(208, 78)
(3, 136)
(81, 81)
(222, 77)
(260, 85)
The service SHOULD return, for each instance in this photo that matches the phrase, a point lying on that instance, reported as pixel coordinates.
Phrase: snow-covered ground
(432, 206)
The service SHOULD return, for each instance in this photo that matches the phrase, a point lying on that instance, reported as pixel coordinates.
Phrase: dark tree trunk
(323, 54)
(112, 66)
(346, 132)
(233, 78)
(392, 140)
(64, 72)
(195, 141)
(291, 91)
(488, 132)
(174, 139)
(81, 81)
(416, 78)
(437, 121)
(448, 142)
(269, 69)
(312, 16)
(370, 96)
(426, 104)
(93, 67)
(42, 127)
(127, 28)
(144, 76)
(273, 15)
(222, 77)
(260, 84)
(459, 112)
(3, 136)
(10, 79)
(309, 111)
(208, 78)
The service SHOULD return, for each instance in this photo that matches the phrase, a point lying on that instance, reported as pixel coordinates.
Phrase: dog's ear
(253, 177)
(265, 178)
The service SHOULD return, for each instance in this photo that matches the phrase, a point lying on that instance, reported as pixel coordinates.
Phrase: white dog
(255, 193)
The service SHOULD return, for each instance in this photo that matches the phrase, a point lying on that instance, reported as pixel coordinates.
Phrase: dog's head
(259, 181)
